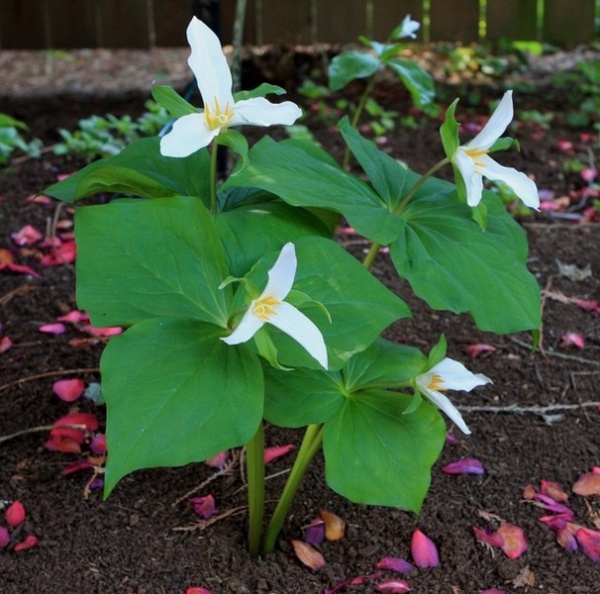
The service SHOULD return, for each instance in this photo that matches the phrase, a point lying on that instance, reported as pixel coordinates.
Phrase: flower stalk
(255, 470)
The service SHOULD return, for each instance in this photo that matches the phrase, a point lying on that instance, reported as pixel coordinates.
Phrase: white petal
(281, 275)
(444, 404)
(189, 134)
(496, 125)
(521, 185)
(249, 325)
(472, 178)
(456, 376)
(408, 28)
(297, 326)
(209, 65)
(261, 112)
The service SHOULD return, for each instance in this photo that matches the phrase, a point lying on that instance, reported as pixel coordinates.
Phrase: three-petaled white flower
(408, 28)
(474, 163)
(449, 375)
(208, 63)
(270, 308)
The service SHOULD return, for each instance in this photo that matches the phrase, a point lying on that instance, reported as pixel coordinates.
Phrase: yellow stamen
(218, 118)
(264, 308)
(436, 383)
(475, 154)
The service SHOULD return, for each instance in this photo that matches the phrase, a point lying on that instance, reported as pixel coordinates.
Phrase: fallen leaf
(587, 484)
(423, 550)
(515, 543)
(335, 527)
(308, 555)
(466, 466)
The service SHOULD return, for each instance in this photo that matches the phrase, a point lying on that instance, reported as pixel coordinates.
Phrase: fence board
(341, 26)
(454, 20)
(387, 14)
(171, 18)
(122, 24)
(511, 19)
(22, 25)
(282, 22)
(568, 22)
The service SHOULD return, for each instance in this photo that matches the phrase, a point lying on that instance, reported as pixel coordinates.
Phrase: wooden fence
(43, 24)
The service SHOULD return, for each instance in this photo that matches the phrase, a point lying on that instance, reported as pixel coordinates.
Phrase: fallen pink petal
(589, 542)
(476, 350)
(275, 452)
(98, 444)
(492, 591)
(77, 466)
(566, 539)
(53, 328)
(423, 550)
(550, 505)
(492, 539)
(335, 527)
(27, 235)
(15, 514)
(572, 339)
(217, 461)
(308, 555)
(69, 390)
(314, 533)
(7, 263)
(5, 344)
(74, 317)
(589, 174)
(102, 332)
(529, 492)
(29, 543)
(396, 564)
(394, 586)
(466, 466)
(356, 581)
(63, 254)
(204, 507)
(557, 522)
(587, 484)
(4, 537)
(553, 490)
(197, 590)
(515, 543)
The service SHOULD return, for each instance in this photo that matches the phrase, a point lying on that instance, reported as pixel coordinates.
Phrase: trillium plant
(240, 308)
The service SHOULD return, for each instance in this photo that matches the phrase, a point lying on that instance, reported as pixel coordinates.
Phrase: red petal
(29, 542)
(275, 452)
(589, 541)
(74, 317)
(203, 506)
(394, 586)
(423, 550)
(466, 466)
(69, 390)
(64, 254)
(566, 540)
(102, 332)
(515, 543)
(15, 514)
(308, 555)
(98, 444)
(5, 344)
(493, 539)
(197, 590)
(314, 533)
(52, 328)
(26, 235)
(587, 484)
(529, 492)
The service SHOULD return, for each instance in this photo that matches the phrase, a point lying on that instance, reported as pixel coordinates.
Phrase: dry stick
(48, 374)
(203, 524)
(558, 355)
(537, 410)
(39, 429)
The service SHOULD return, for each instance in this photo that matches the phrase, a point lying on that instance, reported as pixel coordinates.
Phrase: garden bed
(538, 421)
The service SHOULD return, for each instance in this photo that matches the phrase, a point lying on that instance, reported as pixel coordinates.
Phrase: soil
(145, 537)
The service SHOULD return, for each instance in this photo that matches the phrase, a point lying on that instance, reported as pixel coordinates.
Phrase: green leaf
(236, 142)
(437, 353)
(449, 131)
(378, 455)
(174, 103)
(350, 65)
(175, 394)
(418, 81)
(260, 91)
(139, 170)
(141, 259)
(452, 264)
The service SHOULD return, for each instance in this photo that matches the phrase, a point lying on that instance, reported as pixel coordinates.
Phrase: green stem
(311, 443)
(255, 469)
(420, 183)
(356, 118)
(213, 178)
(371, 255)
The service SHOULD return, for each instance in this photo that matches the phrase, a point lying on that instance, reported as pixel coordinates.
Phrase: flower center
(264, 307)
(475, 154)
(217, 117)
(436, 383)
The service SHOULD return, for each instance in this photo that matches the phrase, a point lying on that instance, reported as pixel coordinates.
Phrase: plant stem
(420, 183)
(357, 114)
(311, 443)
(255, 468)
(213, 178)
(371, 255)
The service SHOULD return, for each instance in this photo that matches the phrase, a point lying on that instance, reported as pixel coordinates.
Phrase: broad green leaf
(418, 81)
(348, 66)
(236, 142)
(378, 455)
(141, 259)
(359, 305)
(259, 227)
(260, 91)
(449, 131)
(454, 265)
(175, 394)
(139, 170)
(172, 101)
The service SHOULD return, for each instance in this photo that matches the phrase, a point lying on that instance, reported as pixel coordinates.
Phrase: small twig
(556, 354)
(203, 524)
(48, 374)
(537, 410)
(22, 290)
(225, 470)
(39, 429)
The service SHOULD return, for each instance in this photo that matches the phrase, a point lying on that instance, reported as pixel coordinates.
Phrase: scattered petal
(203, 506)
(423, 550)
(515, 543)
(466, 466)
(217, 461)
(572, 339)
(308, 555)
(553, 490)
(557, 521)
(275, 452)
(550, 505)
(74, 317)
(27, 235)
(492, 591)
(451, 438)
(7, 263)
(4, 537)
(395, 564)
(476, 350)
(15, 514)
(63, 254)
(314, 533)
(69, 390)
(76, 466)
(53, 328)
(335, 527)
(589, 174)
(394, 586)
(529, 492)
(98, 444)
(588, 484)
(70, 431)
(589, 541)
(30, 542)
(566, 539)
(361, 579)
(5, 344)
(492, 539)
(197, 590)
(102, 332)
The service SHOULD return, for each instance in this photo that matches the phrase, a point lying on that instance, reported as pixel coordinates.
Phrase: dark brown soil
(142, 541)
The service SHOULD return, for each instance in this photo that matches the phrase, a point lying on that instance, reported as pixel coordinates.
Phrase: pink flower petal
(29, 542)
(4, 537)
(588, 174)
(395, 564)
(69, 390)
(335, 527)
(5, 344)
(98, 444)
(52, 328)
(476, 350)
(197, 590)
(423, 550)
(361, 579)
(308, 555)
(314, 533)
(566, 539)
(394, 586)
(573, 339)
(275, 452)
(557, 522)
(492, 539)
(587, 484)
(466, 466)
(589, 305)
(15, 514)
(203, 506)
(589, 541)
(451, 438)
(27, 235)
(63, 254)
(76, 466)
(553, 490)
(7, 263)
(74, 317)
(550, 505)
(492, 591)
(102, 332)
(515, 543)
(217, 461)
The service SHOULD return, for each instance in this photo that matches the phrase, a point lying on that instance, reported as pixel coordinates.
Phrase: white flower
(270, 308)
(449, 375)
(474, 163)
(408, 28)
(209, 65)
